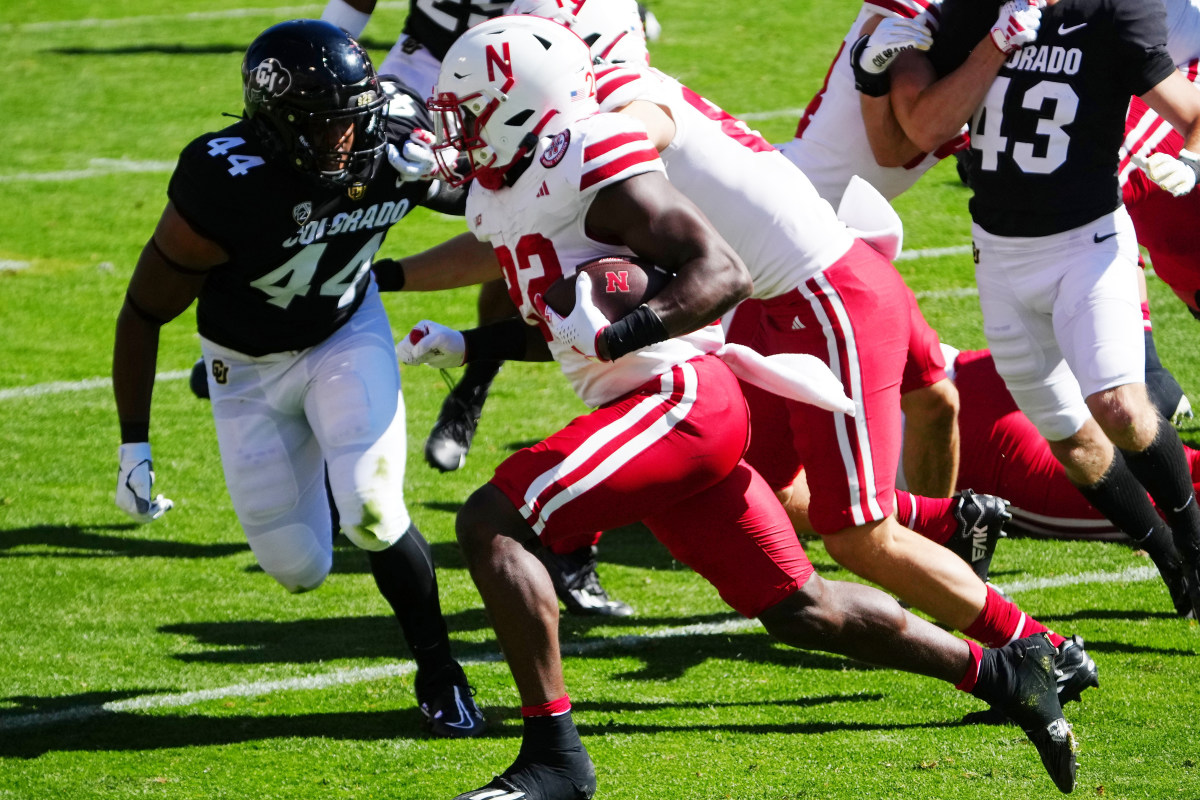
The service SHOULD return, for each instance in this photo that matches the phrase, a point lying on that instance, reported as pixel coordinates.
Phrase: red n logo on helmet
(499, 63)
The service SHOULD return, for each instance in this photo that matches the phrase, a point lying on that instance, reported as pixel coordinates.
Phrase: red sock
(1146, 324)
(552, 709)
(1000, 622)
(932, 517)
(972, 674)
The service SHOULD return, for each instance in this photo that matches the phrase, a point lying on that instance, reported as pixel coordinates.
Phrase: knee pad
(293, 555)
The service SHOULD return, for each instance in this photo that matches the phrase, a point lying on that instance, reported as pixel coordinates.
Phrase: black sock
(1123, 501)
(477, 380)
(1163, 469)
(995, 677)
(549, 740)
(405, 577)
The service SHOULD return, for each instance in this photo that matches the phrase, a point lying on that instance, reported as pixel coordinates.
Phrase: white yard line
(57, 387)
(344, 677)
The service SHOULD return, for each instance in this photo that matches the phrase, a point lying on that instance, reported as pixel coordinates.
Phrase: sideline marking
(345, 677)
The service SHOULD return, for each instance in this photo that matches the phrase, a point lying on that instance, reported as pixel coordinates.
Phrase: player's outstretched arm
(461, 261)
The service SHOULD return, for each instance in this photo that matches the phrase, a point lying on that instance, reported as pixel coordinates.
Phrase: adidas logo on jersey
(797, 325)
(544, 191)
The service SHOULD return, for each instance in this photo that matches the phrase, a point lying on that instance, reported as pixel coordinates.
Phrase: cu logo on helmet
(270, 78)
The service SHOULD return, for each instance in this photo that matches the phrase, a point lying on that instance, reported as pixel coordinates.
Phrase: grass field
(159, 662)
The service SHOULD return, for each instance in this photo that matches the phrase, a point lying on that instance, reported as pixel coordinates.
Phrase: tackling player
(555, 185)
(272, 224)
(1055, 250)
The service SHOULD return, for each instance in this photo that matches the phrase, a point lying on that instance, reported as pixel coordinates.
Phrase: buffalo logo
(557, 149)
(302, 211)
(270, 79)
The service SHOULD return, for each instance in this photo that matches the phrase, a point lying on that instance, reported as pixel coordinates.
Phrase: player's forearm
(461, 261)
(889, 143)
(135, 359)
(930, 110)
(507, 340)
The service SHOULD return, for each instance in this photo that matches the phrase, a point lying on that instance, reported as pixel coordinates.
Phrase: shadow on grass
(85, 543)
(94, 729)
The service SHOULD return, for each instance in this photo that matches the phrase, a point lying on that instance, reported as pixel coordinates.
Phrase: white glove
(1017, 24)
(135, 484)
(1175, 175)
(414, 161)
(433, 344)
(581, 328)
(893, 36)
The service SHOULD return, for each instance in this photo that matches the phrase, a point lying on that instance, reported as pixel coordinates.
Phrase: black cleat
(578, 585)
(450, 439)
(1074, 670)
(981, 519)
(448, 705)
(1031, 700)
(199, 379)
(575, 779)
(1186, 596)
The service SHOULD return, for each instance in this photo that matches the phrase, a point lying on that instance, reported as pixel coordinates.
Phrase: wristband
(499, 341)
(869, 83)
(637, 329)
(1192, 160)
(389, 274)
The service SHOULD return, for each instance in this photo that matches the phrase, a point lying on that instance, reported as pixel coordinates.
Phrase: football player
(822, 292)
(1055, 249)
(556, 184)
(271, 225)
(429, 30)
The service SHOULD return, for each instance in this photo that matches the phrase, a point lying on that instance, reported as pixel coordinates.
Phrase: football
(619, 285)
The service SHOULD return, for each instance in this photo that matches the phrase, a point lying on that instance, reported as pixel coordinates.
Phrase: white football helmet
(612, 29)
(502, 84)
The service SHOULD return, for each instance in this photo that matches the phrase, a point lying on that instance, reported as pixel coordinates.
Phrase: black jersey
(299, 251)
(1044, 142)
(438, 23)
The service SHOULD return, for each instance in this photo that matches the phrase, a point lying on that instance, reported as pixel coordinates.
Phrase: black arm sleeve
(447, 199)
(507, 340)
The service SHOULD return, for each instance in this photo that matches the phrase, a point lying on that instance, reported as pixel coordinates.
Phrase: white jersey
(1183, 30)
(537, 228)
(763, 206)
(831, 141)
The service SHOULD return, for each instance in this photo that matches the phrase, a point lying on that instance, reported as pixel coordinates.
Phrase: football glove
(414, 161)
(1175, 175)
(433, 344)
(135, 484)
(893, 36)
(1017, 25)
(581, 328)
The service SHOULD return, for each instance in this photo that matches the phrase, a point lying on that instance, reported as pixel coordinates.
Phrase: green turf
(99, 611)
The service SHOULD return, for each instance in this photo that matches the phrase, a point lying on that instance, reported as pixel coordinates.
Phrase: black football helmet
(313, 97)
